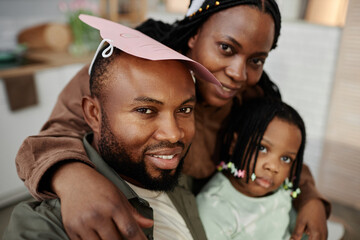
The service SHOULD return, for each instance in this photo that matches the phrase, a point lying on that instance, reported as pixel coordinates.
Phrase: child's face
(279, 148)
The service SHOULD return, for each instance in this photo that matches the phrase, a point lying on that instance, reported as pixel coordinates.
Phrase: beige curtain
(327, 12)
(339, 175)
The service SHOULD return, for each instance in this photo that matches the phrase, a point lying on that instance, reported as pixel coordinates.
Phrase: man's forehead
(150, 78)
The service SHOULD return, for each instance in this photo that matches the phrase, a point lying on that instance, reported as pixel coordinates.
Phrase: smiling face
(233, 44)
(144, 125)
(279, 148)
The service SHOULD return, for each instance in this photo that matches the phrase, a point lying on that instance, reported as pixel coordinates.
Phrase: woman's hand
(311, 219)
(93, 208)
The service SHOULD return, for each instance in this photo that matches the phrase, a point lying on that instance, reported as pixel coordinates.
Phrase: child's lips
(264, 182)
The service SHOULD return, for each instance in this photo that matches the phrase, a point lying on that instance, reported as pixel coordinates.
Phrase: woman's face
(233, 44)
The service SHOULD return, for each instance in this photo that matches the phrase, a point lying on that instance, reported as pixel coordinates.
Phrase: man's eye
(186, 110)
(144, 110)
(286, 159)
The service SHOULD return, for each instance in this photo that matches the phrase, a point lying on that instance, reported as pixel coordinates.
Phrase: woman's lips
(226, 91)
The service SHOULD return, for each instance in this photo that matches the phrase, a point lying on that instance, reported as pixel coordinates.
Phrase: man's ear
(92, 113)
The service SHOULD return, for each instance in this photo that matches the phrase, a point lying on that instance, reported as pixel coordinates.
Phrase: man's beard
(114, 153)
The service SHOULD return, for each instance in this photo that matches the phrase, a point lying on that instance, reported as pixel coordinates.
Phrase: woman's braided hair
(176, 35)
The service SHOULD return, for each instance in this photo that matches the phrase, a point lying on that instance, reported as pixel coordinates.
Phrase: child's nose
(272, 164)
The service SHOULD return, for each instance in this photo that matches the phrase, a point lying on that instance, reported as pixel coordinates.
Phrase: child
(262, 148)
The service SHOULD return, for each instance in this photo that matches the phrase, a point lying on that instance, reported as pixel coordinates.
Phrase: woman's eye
(286, 159)
(144, 110)
(258, 61)
(226, 48)
(186, 110)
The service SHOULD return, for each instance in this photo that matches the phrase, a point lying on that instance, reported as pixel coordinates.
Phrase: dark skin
(237, 62)
(143, 109)
(234, 44)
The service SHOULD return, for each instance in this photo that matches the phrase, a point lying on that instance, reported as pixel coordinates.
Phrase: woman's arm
(60, 139)
(310, 192)
(312, 208)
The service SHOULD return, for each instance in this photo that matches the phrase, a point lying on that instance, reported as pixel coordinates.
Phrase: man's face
(147, 120)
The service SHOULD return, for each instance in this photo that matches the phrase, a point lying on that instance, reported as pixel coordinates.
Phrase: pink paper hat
(140, 45)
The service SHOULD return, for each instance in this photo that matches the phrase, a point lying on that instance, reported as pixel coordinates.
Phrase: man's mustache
(165, 145)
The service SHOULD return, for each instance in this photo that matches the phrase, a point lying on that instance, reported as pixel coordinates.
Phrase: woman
(232, 38)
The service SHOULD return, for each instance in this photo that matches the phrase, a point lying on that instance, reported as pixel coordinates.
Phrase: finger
(71, 234)
(79, 231)
(298, 230)
(88, 235)
(314, 235)
(109, 231)
(143, 221)
(128, 227)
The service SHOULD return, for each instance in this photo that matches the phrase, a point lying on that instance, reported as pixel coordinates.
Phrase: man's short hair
(100, 73)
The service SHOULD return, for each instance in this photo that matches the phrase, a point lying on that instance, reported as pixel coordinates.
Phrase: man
(142, 121)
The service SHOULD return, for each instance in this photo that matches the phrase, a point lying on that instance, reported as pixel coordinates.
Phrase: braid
(176, 35)
(155, 29)
(249, 123)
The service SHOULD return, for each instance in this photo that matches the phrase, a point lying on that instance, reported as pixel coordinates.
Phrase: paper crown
(140, 45)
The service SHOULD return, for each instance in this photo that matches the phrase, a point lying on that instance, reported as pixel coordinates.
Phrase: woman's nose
(237, 70)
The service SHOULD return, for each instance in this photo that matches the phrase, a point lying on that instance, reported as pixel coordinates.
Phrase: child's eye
(286, 159)
(262, 149)
(145, 110)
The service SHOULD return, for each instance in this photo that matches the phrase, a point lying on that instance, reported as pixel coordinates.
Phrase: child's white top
(229, 214)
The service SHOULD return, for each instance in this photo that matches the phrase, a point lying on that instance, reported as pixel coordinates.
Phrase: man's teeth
(226, 89)
(164, 156)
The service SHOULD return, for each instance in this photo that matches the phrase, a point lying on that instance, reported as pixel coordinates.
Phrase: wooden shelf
(43, 59)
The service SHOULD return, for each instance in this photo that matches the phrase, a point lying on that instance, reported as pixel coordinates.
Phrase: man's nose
(169, 130)
(237, 70)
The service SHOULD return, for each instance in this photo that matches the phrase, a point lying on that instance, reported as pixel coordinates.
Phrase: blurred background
(316, 65)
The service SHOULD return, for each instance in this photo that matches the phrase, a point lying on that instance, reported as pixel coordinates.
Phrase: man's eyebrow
(190, 100)
(148, 100)
(152, 100)
(233, 40)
